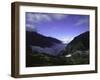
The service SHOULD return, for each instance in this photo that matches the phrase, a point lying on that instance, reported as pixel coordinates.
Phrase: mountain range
(47, 51)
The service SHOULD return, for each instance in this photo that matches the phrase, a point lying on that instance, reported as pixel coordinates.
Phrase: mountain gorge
(47, 51)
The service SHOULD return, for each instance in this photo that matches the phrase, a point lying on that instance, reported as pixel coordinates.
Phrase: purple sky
(61, 26)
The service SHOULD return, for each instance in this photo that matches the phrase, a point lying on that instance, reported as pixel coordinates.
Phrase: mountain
(42, 44)
(79, 43)
(36, 39)
(78, 49)
(48, 51)
(42, 50)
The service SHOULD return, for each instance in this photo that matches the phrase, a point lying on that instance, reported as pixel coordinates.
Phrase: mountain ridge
(36, 39)
(80, 42)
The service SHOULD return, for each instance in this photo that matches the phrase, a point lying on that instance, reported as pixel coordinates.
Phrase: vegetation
(42, 59)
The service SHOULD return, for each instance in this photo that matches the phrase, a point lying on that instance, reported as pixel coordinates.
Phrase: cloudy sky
(61, 26)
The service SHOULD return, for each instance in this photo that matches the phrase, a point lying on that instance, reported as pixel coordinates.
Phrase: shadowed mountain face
(42, 44)
(80, 43)
(36, 39)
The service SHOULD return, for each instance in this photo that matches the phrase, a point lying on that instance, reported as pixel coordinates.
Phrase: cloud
(59, 16)
(30, 27)
(81, 22)
(66, 39)
(37, 17)
(34, 18)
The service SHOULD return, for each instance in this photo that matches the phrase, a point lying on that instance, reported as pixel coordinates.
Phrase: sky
(61, 26)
